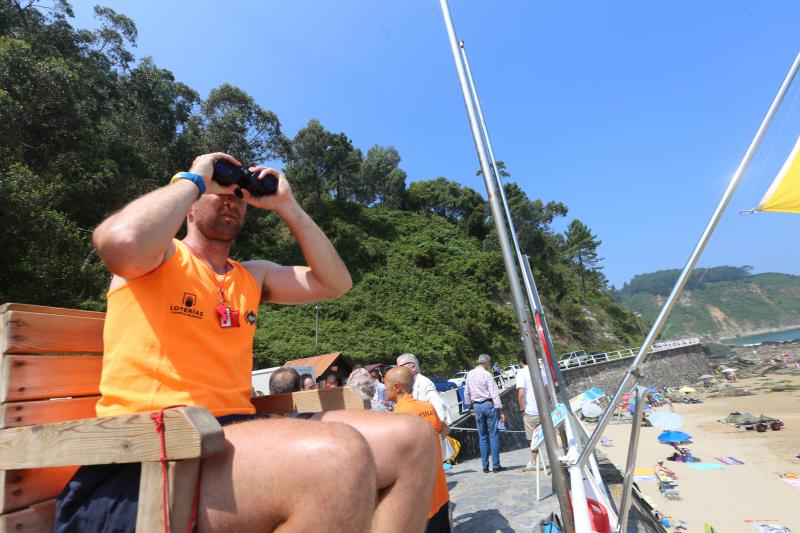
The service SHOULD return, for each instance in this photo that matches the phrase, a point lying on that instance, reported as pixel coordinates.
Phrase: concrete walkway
(505, 501)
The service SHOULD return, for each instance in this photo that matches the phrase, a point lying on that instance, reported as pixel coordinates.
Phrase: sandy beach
(729, 497)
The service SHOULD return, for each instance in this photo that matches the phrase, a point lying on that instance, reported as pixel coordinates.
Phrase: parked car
(511, 371)
(599, 356)
(459, 378)
(568, 360)
(442, 384)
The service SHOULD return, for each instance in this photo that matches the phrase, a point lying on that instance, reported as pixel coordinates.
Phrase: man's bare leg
(286, 475)
(405, 453)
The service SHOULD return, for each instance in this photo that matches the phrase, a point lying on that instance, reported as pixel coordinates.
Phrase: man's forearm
(132, 242)
(322, 258)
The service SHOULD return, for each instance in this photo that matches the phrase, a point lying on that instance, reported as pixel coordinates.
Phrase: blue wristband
(194, 178)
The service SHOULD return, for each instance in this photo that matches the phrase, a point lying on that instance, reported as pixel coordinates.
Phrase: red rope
(158, 418)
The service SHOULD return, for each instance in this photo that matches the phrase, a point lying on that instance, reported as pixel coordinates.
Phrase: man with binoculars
(179, 331)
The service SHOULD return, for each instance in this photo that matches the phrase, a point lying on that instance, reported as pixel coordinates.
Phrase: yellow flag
(784, 193)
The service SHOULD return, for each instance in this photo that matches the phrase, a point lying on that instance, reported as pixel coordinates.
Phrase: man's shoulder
(424, 381)
(477, 371)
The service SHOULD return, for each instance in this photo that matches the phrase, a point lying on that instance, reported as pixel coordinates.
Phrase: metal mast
(510, 220)
(559, 476)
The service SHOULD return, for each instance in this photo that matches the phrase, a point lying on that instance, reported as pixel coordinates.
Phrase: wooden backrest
(50, 362)
(40, 362)
(50, 372)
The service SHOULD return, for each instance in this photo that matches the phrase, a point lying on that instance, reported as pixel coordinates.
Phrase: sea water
(775, 336)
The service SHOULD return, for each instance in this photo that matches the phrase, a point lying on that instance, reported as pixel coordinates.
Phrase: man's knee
(345, 450)
(418, 439)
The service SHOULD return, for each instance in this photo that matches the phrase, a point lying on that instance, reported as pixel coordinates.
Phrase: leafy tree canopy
(85, 127)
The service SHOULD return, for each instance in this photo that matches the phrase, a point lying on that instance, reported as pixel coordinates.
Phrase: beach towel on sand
(729, 460)
(794, 482)
(706, 466)
(770, 528)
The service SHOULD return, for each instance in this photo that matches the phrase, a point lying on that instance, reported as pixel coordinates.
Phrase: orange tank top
(163, 344)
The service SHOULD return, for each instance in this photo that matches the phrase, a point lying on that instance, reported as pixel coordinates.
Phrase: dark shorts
(440, 522)
(105, 498)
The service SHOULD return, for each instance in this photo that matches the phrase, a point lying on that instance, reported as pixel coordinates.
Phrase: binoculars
(226, 173)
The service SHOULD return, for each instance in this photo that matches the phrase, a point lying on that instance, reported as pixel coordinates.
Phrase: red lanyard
(227, 317)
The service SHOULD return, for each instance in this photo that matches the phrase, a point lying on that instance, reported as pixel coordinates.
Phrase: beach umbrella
(706, 376)
(686, 390)
(674, 437)
(726, 370)
(667, 421)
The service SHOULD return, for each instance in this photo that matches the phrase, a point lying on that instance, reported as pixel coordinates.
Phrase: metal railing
(604, 357)
(456, 407)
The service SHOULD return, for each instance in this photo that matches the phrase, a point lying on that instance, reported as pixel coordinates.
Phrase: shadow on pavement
(450, 473)
(482, 521)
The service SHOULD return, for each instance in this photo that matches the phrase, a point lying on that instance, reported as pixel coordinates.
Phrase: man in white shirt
(528, 407)
(424, 389)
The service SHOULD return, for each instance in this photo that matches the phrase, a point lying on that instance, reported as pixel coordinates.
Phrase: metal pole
(511, 227)
(559, 477)
(630, 465)
(677, 290)
(561, 394)
(533, 297)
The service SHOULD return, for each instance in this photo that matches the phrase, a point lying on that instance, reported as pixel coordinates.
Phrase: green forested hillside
(720, 302)
(86, 127)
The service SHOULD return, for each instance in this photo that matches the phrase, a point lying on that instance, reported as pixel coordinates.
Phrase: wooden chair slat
(38, 377)
(21, 488)
(24, 332)
(17, 414)
(313, 401)
(193, 432)
(38, 518)
(48, 310)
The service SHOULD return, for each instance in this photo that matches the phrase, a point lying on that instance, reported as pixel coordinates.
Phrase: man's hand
(203, 166)
(281, 200)
(502, 417)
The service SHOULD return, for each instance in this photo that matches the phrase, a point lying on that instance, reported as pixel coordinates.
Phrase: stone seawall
(669, 368)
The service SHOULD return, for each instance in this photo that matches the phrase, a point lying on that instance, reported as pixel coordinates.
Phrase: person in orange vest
(399, 383)
(180, 327)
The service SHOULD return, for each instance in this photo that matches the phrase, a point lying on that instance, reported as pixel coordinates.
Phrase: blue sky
(634, 114)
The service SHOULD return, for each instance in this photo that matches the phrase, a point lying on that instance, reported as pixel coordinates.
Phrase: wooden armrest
(311, 401)
(191, 432)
